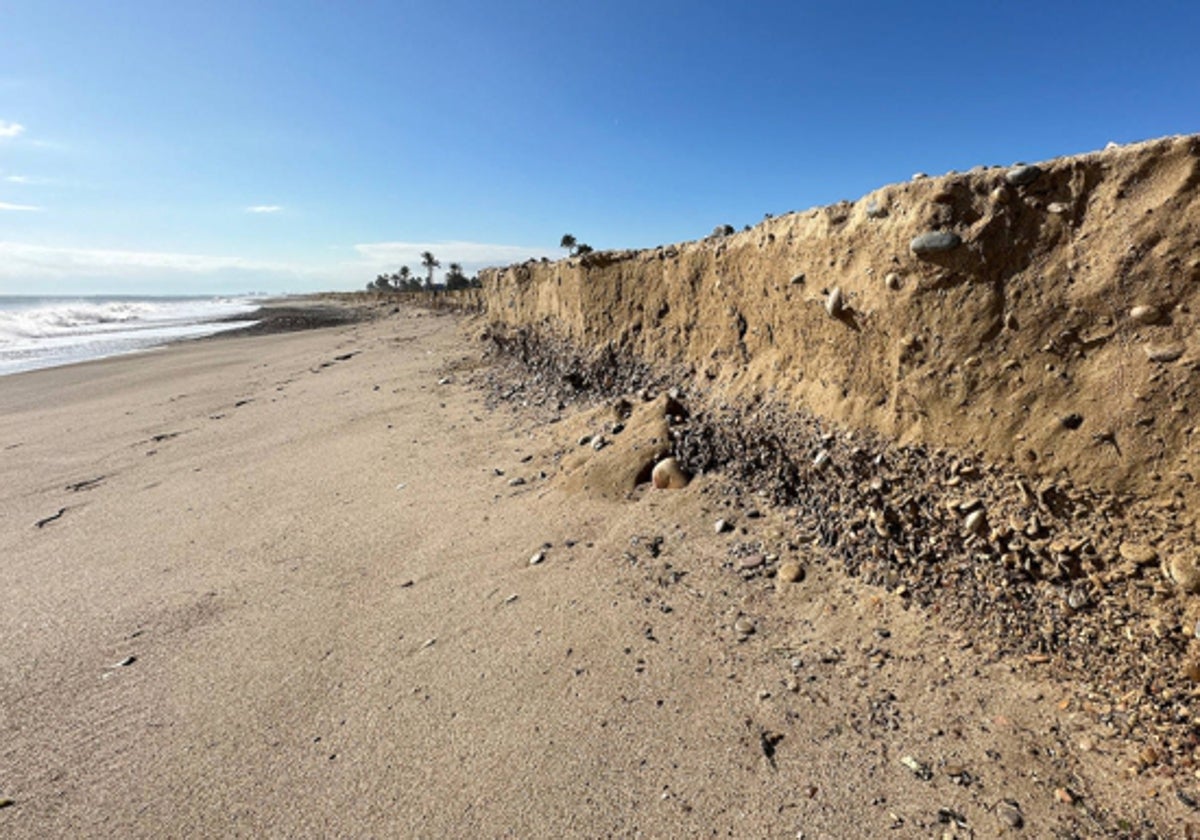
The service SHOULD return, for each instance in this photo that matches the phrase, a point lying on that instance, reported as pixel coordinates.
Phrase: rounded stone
(669, 475)
(976, 522)
(790, 572)
(1164, 354)
(752, 561)
(743, 626)
(1185, 572)
(892, 281)
(1145, 314)
(1023, 176)
(1010, 814)
(935, 242)
(1139, 554)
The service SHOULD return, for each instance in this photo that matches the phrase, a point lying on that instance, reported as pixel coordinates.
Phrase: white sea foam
(45, 332)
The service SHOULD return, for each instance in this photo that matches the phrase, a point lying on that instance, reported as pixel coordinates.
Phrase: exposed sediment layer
(1040, 317)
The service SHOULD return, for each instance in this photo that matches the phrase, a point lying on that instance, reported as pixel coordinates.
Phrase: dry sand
(289, 595)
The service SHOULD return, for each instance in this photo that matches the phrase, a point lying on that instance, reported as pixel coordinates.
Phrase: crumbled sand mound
(1034, 316)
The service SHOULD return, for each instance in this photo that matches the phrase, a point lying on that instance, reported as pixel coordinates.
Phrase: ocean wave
(82, 318)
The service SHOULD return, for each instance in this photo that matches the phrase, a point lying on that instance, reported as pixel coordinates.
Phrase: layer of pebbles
(1078, 584)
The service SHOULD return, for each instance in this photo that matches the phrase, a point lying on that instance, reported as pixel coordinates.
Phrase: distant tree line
(405, 281)
(574, 247)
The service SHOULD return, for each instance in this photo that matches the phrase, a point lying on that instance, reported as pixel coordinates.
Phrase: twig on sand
(42, 523)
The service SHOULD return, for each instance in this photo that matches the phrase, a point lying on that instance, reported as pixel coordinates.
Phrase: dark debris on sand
(1040, 575)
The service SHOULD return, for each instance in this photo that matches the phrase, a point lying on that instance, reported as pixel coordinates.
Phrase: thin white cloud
(25, 179)
(113, 269)
(10, 129)
(21, 259)
(264, 208)
(19, 208)
(472, 255)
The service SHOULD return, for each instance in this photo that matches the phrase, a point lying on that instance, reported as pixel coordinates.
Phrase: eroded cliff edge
(1054, 334)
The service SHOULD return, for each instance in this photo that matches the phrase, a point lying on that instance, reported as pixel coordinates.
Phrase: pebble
(668, 475)
(126, 662)
(821, 459)
(835, 303)
(892, 281)
(743, 626)
(1077, 599)
(1145, 314)
(1000, 195)
(721, 526)
(752, 561)
(1185, 573)
(875, 210)
(790, 572)
(1058, 208)
(1010, 814)
(537, 558)
(6, 802)
(585, 440)
(976, 522)
(1023, 176)
(599, 443)
(1064, 796)
(1139, 554)
(935, 242)
(1164, 354)
(797, 279)
(516, 482)
(917, 768)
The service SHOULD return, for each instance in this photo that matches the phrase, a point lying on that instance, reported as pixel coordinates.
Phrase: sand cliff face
(1051, 330)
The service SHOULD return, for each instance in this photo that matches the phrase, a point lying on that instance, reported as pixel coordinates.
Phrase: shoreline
(244, 571)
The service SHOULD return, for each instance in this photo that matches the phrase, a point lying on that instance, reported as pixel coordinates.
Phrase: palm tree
(455, 279)
(568, 242)
(400, 278)
(430, 262)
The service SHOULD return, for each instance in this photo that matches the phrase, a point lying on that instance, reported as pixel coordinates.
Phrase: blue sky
(174, 147)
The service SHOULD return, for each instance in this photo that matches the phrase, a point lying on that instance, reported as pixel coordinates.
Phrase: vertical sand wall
(1040, 316)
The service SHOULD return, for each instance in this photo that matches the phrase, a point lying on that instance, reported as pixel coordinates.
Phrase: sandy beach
(281, 586)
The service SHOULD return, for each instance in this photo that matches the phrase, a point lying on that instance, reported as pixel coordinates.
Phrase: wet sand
(281, 587)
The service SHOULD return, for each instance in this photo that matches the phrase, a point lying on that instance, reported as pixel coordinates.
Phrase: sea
(42, 332)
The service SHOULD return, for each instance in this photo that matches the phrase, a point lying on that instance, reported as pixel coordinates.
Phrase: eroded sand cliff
(1056, 338)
